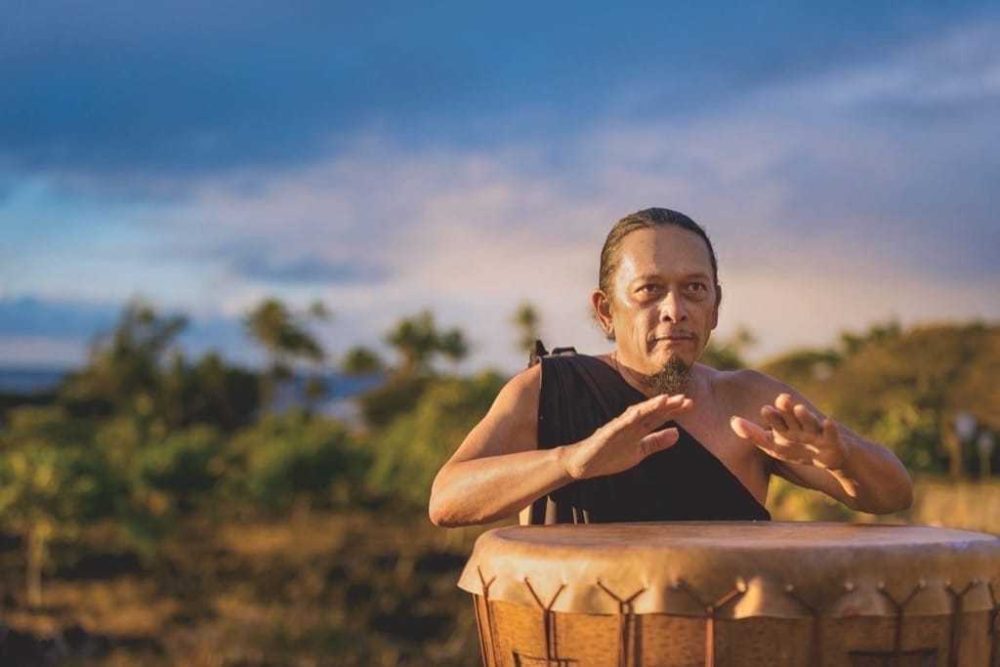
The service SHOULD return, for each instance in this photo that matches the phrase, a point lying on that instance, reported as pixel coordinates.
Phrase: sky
(465, 157)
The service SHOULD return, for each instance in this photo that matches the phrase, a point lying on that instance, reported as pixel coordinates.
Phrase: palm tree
(361, 360)
(418, 340)
(123, 372)
(284, 336)
(526, 321)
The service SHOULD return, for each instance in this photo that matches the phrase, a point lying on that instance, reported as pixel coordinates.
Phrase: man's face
(663, 302)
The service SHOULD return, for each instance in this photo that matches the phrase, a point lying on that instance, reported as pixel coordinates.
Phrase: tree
(289, 457)
(851, 343)
(225, 396)
(182, 467)
(137, 369)
(526, 321)
(904, 388)
(123, 370)
(53, 481)
(418, 341)
(416, 444)
(284, 336)
(360, 361)
(804, 367)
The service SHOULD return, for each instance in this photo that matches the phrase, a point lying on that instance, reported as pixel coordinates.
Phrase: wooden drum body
(740, 594)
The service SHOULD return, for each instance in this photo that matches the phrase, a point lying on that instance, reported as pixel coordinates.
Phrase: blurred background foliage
(158, 509)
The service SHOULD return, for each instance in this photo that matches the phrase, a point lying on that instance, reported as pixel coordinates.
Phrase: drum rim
(867, 578)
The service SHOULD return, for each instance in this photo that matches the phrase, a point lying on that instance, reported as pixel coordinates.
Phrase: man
(646, 432)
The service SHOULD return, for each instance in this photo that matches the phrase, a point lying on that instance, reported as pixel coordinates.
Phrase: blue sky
(387, 158)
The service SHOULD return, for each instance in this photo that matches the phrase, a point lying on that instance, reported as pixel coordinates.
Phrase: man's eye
(697, 287)
(649, 288)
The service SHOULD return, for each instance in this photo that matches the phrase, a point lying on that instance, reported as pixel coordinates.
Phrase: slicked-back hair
(649, 218)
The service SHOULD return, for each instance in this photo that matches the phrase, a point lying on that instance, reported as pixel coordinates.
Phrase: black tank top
(685, 482)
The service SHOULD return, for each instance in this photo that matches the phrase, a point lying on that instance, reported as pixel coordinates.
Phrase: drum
(741, 594)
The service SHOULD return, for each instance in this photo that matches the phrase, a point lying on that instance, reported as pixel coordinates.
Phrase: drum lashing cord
(626, 623)
(711, 610)
(488, 658)
(994, 627)
(549, 621)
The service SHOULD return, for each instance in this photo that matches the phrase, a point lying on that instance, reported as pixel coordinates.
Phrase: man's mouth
(674, 338)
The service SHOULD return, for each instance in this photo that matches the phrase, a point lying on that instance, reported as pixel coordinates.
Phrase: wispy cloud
(58, 320)
(959, 67)
(830, 207)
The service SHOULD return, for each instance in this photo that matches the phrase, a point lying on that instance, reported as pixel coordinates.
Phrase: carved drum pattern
(739, 594)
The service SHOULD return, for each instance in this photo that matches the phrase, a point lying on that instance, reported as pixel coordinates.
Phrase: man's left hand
(794, 434)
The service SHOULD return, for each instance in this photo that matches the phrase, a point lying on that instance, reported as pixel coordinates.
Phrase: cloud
(41, 352)
(824, 216)
(152, 97)
(959, 67)
(38, 331)
(305, 269)
(57, 320)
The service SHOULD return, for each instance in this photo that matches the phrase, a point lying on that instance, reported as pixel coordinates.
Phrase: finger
(658, 402)
(792, 452)
(808, 420)
(637, 411)
(641, 418)
(652, 406)
(786, 406)
(676, 408)
(747, 430)
(658, 441)
(765, 441)
(830, 430)
(659, 413)
(774, 418)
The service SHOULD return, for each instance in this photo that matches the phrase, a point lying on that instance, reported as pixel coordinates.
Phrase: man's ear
(718, 301)
(602, 312)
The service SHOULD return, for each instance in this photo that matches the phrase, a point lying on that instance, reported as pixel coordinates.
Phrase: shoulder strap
(540, 351)
(537, 353)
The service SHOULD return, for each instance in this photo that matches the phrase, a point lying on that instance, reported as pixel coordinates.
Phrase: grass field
(357, 588)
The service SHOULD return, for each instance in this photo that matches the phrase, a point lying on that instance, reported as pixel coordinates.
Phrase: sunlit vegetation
(158, 509)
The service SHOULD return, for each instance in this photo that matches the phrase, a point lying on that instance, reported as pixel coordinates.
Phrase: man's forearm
(491, 488)
(873, 476)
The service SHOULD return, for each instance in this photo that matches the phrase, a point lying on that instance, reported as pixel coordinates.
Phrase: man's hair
(649, 218)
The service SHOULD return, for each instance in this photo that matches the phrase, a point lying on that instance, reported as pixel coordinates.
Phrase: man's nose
(672, 307)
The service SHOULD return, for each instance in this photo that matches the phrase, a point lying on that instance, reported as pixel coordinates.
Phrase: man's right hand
(625, 441)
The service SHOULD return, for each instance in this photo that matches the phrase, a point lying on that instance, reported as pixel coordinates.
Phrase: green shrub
(409, 453)
(184, 465)
(53, 481)
(294, 456)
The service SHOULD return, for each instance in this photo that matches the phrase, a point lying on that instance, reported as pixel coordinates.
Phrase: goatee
(672, 378)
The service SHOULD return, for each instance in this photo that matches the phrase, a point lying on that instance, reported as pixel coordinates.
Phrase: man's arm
(498, 469)
(813, 451)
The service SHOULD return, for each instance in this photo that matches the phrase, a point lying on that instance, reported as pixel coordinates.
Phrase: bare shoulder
(511, 425)
(750, 389)
(521, 391)
(746, 380)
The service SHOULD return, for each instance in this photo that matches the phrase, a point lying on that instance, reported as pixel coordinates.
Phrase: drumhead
(737, 569)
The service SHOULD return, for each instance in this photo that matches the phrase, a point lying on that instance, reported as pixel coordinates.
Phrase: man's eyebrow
(656, 277)
(647, 276)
